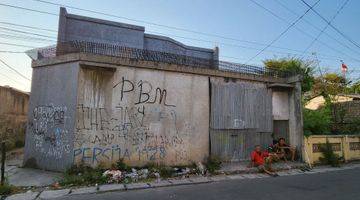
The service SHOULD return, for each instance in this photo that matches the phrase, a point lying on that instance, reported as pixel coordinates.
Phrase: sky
(240, 28)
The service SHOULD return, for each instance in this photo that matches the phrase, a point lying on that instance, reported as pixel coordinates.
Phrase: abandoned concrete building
(110, 91)
(13, 115)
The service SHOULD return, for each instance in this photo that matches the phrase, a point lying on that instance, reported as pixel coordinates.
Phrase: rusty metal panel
(236, 145)
(240, 105)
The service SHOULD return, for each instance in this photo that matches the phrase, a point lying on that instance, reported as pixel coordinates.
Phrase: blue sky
(243, 20)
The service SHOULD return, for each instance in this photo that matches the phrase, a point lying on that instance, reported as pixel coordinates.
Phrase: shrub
(6, 189)
(165, 171)
(351, 128)
(317, 121)
(329, 157)
(121, 165)
(152, 166)
(213, 163)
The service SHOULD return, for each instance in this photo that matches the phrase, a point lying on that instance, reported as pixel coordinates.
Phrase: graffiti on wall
(47, 126)
(141, 125)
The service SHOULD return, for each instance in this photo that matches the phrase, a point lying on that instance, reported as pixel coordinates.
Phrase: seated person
(283, 150)
(262, 160)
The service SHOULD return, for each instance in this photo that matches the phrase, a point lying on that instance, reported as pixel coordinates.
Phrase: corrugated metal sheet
(236, 145)
(241, 117)
(240, 105)
(281, 129)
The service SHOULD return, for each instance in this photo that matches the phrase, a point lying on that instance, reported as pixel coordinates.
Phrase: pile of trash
(134, 175)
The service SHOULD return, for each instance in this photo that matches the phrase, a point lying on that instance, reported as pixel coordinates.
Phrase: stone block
(111, 187)
(134, 186)
(86, 190)
(51, 194)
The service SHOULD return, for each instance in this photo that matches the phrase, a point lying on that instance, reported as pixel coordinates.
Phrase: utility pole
(3, 157)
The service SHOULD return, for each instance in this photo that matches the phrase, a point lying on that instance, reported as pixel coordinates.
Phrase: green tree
(354, 88)
(302, 67)
(317, 122)
(329, 85)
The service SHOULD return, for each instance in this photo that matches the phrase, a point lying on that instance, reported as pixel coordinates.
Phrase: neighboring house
(319, 101)
(345, 107)
(13, 114)
(109, 91)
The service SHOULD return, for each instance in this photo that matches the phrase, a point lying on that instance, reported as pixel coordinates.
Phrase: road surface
(335, 185)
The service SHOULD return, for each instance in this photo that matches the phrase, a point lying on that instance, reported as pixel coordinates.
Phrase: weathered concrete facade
(141, 115)
(13, 113)
(98, 108)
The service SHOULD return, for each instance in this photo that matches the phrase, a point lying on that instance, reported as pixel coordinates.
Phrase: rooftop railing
(157, 56)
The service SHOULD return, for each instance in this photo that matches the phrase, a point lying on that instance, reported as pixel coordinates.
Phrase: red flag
(344, 68)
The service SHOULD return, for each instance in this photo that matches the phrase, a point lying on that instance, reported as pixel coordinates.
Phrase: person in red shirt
(262, 160)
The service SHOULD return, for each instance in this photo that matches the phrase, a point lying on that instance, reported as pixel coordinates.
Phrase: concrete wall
(296, 133)
(13, 114)
(75, 27)
(51, 118)
(345, 146)
(280, 104)
(93, 109)
(142, 116)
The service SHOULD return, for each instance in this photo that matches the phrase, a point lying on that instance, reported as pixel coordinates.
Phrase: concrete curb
(136, 186)
(163, 183)
(51, 194)
(84, 190)
(24, 196)
(111, 187)
(185, 181)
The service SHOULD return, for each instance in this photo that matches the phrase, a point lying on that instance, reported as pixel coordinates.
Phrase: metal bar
(156, 56)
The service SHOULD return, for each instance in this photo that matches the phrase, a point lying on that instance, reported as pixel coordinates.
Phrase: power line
(332, 26)
(331, 57)
(28, 9)
(17, 72)
(327, 25)
(32, 27)
(33, 10)
(314, 26)
(195, 39)
(26, 32)
(1, 51)
(146, 22)
(300, 30)
(7, 77)
(188, 38)
(257, 43)
(17, 45)
(33, 39)
(155, 24)
(166, 26)
(281, 34)
(25, 38)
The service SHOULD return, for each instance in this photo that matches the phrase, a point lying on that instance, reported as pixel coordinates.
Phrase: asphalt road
(342, 185)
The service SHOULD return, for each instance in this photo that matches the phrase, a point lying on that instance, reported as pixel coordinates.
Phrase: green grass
(213, 163)
(83, 175)
(7, 189)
